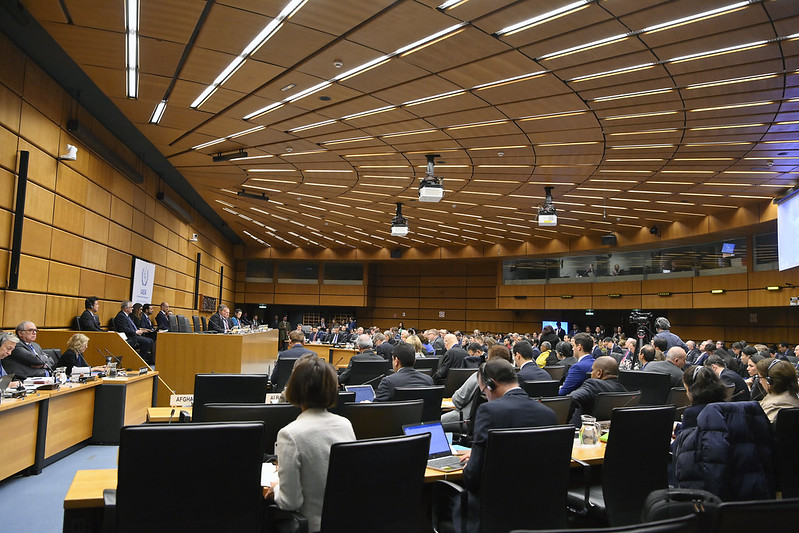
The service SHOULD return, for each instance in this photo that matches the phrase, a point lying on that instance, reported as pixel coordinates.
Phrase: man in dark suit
(364, 345)
(335, 336)
(404, 375)
(219, 321)
(528, 370)
(383, 348)
(27, 359)
(297, 350)
(454, 357)
(8, 341)
(673, 365)
(283, 328)
(583, 345)
(88, 320)
(124, 324)
(741, 392)
(604, 378)
(162, 318)
(560, 332)
(508, 407)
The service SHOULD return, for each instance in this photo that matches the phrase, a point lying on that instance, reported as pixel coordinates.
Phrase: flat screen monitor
(728, 248)
(788, 232)
(554, 324)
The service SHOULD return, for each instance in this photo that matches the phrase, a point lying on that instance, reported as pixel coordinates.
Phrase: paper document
(268, 474)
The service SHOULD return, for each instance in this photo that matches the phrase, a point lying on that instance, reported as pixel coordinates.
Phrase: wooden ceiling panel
(463, 47)
(159, 57)
(101, 15)
(229, 30)
(252, 74)
(336, 17)
(391, 74)
(89, 46)
(292, 44)
(172, 21)
(539, 87)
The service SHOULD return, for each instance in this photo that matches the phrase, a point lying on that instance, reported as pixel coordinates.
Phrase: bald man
(604, 378)
(673, 365)
(452, 358)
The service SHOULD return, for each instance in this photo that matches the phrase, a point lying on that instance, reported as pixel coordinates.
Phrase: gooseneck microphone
(381, 376)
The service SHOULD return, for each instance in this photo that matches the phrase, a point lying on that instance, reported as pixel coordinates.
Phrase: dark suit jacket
(513, 410)
(404, 377)
(217, 323)
(88, 321)
(295, 352)
(453, 358)
(741, 391)
(124, 324)
(22, 360)
(385, 350)
(531, 372)
(71, 359)
(666, 367)
(162, 320)
(584, 397)
(335, 338)
(367, 355)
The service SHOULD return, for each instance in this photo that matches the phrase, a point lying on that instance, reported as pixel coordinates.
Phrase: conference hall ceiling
(639, 113)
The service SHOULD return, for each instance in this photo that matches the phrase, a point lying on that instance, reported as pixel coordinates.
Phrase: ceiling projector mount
(431, 189)
(399, 225)
(547, 214)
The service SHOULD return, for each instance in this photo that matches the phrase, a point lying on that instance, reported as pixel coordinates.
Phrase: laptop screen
(362, 392)
(439, 445)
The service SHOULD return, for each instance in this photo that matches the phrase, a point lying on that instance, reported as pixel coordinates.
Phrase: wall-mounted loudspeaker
(396, 254)
(609, 240)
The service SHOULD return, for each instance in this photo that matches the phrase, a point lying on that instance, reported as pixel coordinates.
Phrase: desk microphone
(381, 376)
(114, 357)
(171, 415)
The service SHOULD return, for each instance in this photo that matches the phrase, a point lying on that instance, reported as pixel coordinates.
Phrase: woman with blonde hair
(414, 341)
(73, 356)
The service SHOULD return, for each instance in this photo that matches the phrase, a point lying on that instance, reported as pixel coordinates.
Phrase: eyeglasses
(32, 330)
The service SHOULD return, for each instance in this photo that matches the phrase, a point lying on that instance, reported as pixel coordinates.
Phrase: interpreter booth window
(765, 252)
(298, 272)
(260, 271)
(342, 274)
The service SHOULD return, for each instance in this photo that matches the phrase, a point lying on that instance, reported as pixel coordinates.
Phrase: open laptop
(440, 456)
(363, 393)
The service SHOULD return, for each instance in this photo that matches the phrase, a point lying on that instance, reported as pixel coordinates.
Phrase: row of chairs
(177, 323)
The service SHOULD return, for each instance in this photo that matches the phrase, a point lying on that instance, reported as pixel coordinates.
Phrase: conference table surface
(86, 490)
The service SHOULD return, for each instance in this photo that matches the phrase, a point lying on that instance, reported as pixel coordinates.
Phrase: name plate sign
(181, 400)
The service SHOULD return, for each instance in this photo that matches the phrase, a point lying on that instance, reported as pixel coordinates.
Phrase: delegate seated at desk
(28, 359)
(124, 324)
(364, 345)
(303, 446)
(219, 321)
(404, 375)
(8, 341)
(296, 351)
(88, 320)
(73, 356)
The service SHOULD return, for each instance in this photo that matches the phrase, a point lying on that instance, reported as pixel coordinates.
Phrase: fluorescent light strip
(730, 81)
(632, 95)
(314, 125)
(587, 46)
(640, 115)
(477, 124)
(246, 132)
(544, 17)
(718, 52)
(209, 143)
(697, 17)
(370, 112)
(451, 4)
(363, 68)
(426, 99)
(132, 49)
(430, 39)
(614, 72)
(646, 132)
(344, 141)
(264, 35)
(507, 81)
(733, 106)
(158, 112)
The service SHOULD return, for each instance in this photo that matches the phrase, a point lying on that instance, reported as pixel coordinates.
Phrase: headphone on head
(489, 382)
(769, 379)
(696, 371)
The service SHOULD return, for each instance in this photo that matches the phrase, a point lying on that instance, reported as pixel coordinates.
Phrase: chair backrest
(432, 397)
(75, 323)
(545, 475)
(654, 386)
(425, 371)
(183, 324)
(275, 417)
(283, 368)
(173, 324)
(363, 371)
(227, 388)
(427, 362)
(786, 430)
(678, 397)
(538, 389)
(691, 523)
(765, 515)
(382, 419)
(556, 372)
(195, 321)
(196, 455)
(606, 402)
(362, 472)
(561, 405)
(54, 354)
(636, 460)
(344, 396)
(455, 378)
(204, 323)
(478, 399)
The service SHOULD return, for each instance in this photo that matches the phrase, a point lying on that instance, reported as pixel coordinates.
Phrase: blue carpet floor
(36, 503)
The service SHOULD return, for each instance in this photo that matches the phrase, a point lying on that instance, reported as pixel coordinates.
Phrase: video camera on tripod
(643, 320)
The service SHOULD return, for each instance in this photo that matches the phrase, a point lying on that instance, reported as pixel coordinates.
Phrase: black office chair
(546, 475)
(538, 389)
(764, 515)
(195, 321)
(425, 371)
(683, 524)
(427, 362)
(382, 419)
(227, 388)
(678, 397)
(635, 464)
(204, 323)
(431, 395)
(654, 386)
(561, 405)
(283, 368)
(54, 354)
(173, 324)
(183, 324)
(344, 396)
(358, 476)
(455, 378)
(556, 372)
(363, 371)
(74, 324)
(275, 417)
(786, 430)
(195, 457)
(606, 402)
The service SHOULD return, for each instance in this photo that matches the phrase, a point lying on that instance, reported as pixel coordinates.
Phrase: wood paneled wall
(84, 221)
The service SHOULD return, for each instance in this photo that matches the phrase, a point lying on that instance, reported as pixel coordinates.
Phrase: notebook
(440, 455)
(363, 393)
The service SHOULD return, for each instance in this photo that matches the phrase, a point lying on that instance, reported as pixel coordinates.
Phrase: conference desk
(336, 356)
(160, 415)
(122, 401)
(19, 422)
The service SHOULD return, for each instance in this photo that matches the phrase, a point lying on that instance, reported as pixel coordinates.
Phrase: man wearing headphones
(508, 407)
(741, 392)
(663, 325)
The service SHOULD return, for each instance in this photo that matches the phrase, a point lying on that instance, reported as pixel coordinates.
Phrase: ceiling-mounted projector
(399, 225)
(431, 189)
(547, 214)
